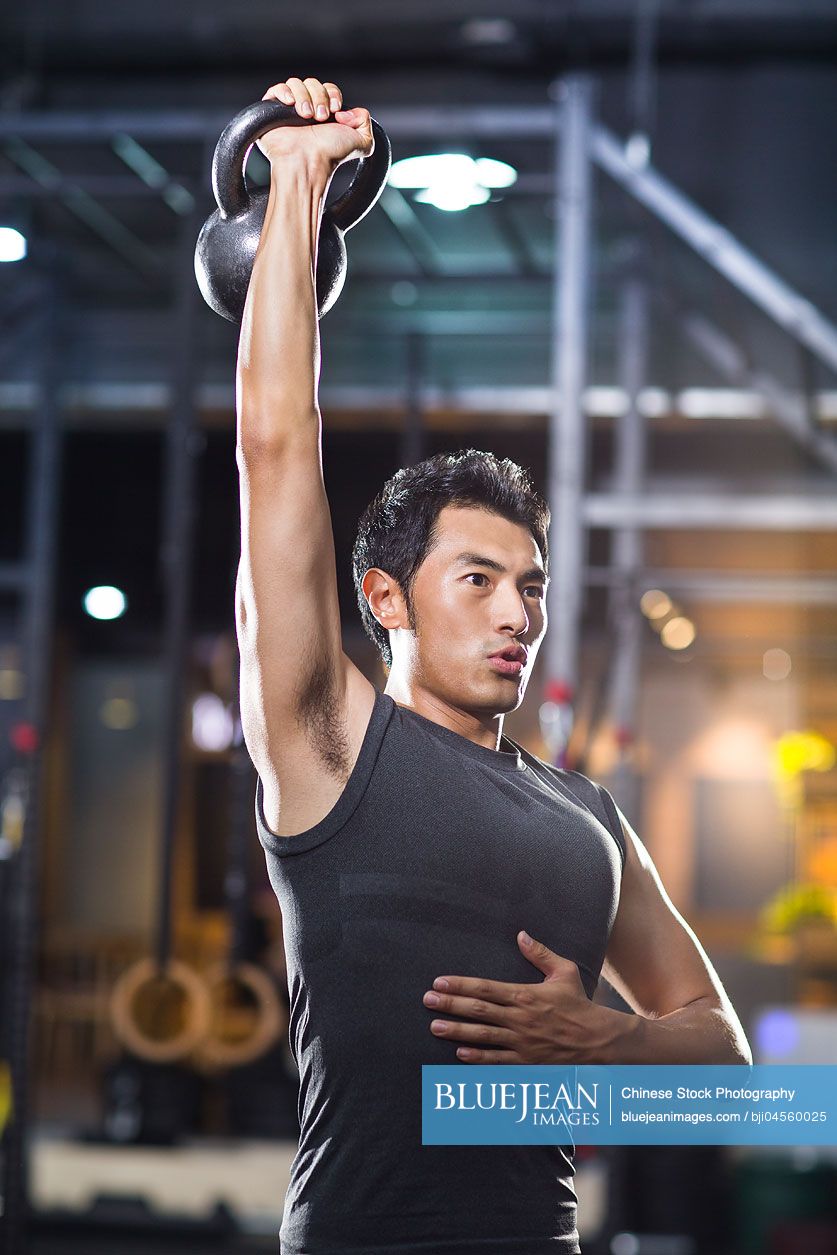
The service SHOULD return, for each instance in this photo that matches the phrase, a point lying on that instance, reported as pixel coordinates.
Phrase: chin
(505, 697)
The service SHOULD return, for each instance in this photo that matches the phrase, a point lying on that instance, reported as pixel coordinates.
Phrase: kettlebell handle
(229, 182)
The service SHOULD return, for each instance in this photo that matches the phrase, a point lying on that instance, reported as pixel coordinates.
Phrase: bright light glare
(654, 603)
(452, 181)
(212, 723)
(453, 197)
(678, 633)
(12, 244)
(104, 602)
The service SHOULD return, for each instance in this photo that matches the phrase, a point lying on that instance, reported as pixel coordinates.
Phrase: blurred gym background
(626, 266)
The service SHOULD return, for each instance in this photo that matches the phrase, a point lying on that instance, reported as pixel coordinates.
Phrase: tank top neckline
(507, 759)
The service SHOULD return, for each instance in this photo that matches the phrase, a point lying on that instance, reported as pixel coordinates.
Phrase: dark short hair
(397, 529)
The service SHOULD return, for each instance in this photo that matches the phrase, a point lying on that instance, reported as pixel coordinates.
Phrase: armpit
(319, 714)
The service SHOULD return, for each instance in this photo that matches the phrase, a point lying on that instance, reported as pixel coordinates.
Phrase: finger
(319, 98)
(470, 1008)
(503, 993)
(349, 117)
(281, 92)
(469, 1055)
(302, 99)
(335, 97)
(479, 1034)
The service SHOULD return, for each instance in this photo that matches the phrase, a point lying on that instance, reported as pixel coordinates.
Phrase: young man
(409, 840)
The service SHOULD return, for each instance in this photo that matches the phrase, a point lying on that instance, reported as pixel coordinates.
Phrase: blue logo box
(597, 1105)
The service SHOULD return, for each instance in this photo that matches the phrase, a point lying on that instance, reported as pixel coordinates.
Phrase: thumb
(351, 117)
(547, 960)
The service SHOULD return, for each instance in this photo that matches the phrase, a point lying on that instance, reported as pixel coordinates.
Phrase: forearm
(701, 1032)
(279, 347)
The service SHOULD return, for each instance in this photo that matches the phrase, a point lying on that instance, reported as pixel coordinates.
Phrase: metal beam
(791, 410)
(719, 247)
(567, 426)
(14, 576)
(517, 243)
(628, 542)
(34, 621)
(152, 174)
(806, 588)
(417, 239)
(83, 206)
(722, 512)
(526, 406)
(427, 121)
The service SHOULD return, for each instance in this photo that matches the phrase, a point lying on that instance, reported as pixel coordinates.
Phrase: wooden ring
(271, 1018)
(123, 1009)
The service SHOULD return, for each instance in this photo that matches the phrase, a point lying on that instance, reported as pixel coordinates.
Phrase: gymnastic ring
(271, 1018)
(196, 1020)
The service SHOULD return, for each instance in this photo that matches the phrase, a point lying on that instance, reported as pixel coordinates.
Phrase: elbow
(738, 1047)
(743, 1052)
(260, 441)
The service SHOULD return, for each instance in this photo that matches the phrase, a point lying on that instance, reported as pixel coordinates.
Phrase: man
(408, 840)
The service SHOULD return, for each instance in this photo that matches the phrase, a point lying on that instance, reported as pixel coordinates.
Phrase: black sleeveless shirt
(435, 855)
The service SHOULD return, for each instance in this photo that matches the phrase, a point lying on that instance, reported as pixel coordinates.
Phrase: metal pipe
(567, 426)
(176, 558)
(35, 625)
(811, 588)
(722, 512)
(628, 541)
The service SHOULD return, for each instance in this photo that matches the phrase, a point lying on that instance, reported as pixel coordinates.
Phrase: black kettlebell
(228, 240)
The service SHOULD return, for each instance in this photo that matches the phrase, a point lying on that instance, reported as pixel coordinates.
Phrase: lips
(512, 653)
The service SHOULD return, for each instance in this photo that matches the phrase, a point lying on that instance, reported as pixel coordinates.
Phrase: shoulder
(591, 794)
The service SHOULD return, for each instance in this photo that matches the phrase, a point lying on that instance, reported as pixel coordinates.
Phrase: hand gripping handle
(229, 182)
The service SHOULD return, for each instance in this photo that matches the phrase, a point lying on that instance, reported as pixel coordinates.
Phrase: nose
(512, 614)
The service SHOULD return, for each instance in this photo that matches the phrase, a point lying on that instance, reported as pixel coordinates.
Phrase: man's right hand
(347, 136)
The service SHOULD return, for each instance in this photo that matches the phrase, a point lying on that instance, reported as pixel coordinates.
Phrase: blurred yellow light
(678, 633)
(11, 685)
(803, 751)
(654, 603)
(119, 713)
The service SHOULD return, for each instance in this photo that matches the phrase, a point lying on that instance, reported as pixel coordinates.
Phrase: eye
(480, 575)
(538, 590)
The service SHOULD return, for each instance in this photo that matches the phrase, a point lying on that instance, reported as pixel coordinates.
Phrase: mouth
(509, 661)
(512, 653)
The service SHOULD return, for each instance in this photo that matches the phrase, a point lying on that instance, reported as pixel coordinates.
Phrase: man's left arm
(656, 963)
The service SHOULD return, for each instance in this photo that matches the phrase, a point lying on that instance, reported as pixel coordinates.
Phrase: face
(479, 590)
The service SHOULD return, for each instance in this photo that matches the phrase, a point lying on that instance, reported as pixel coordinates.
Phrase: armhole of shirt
(348, 800)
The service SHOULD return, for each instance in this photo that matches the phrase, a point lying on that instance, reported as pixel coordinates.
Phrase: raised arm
(304, 706)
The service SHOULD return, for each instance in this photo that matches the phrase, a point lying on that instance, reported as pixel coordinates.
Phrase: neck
(480, 728)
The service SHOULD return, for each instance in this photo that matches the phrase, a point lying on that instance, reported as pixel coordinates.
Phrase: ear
(385, 599)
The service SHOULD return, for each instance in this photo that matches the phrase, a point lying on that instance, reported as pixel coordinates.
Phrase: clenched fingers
(310, 97)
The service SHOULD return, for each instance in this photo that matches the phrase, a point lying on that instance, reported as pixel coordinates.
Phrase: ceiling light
(12, 244)
(104, 602)
(451, 181)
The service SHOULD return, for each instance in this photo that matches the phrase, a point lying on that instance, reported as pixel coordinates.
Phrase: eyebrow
(478, 559)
